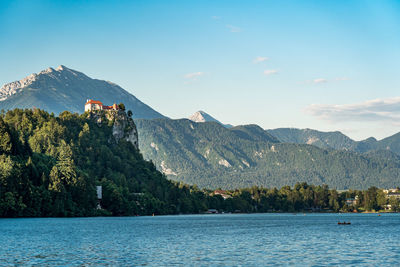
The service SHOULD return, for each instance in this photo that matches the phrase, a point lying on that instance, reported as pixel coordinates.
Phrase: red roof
(90, 101)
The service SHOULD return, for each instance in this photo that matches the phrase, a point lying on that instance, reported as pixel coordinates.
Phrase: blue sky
(327, 65)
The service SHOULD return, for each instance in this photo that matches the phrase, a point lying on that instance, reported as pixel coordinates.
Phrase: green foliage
(121, 106)
(50, 166)
(212, 156)
(5, 138)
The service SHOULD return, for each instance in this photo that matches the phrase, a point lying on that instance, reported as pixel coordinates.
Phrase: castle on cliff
(92, 105)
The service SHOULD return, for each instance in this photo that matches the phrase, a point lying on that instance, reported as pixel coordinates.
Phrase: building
(224, 194)
(351, 201)
(92, 105)
(394, 195)
(394, 192)
(99, 191)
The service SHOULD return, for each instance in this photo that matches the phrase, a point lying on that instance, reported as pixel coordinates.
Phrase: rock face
(123, 126)
(60, 89)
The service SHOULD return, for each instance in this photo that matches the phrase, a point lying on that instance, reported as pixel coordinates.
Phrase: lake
(226, 239)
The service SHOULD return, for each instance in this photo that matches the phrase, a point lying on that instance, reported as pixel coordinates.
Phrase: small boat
(344, 223)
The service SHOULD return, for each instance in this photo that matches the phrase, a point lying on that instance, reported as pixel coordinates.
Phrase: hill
(210, 155)
(50, 166)
(56, 90)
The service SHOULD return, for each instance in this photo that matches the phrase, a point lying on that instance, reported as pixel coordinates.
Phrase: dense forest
(50, 166)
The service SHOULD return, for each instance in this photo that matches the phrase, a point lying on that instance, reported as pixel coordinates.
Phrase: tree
(395, 204)
(5, 137)
(64, 172)
(370, 198)
(381, 199)
(121, 106)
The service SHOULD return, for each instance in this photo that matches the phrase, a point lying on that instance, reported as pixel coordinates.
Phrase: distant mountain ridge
(335, 140)
(60, 89)
(212, 156)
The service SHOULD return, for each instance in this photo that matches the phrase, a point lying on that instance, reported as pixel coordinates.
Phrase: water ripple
(215, 240)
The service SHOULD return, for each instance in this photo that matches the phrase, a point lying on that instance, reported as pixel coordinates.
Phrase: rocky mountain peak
(59, 89)
(61, 67)
(201, 116)
(13, 87)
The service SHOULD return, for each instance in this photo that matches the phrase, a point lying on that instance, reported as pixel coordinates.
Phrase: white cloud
(270, 72)
(320, 80)
(323, 80)
(233, 28)
(342, 79)
(194, 75)
(260, 59)
(387, 110)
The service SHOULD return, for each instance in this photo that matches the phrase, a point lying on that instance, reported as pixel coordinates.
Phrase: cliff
(123, 126)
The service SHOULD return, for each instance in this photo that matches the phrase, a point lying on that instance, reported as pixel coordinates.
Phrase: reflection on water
(242, 239)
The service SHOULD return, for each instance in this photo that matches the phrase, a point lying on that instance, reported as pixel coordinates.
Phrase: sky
(328, 65)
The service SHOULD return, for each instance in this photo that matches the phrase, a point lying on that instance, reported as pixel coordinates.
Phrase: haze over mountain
(212, 156)
(56, 90)
(201, 116)
(336, 140)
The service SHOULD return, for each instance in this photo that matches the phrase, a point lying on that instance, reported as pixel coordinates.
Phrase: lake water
(231, 239)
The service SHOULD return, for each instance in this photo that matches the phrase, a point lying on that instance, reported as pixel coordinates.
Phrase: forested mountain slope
(209, 155)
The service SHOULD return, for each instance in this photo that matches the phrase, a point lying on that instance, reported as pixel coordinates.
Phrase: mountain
(201, 116)
(391, 143)
(56, 90)
(335, 140)
(211, 156)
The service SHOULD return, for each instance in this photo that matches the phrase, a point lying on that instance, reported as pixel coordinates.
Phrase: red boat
(344, 223)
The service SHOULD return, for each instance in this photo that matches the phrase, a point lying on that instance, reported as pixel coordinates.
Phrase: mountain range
(212, 156)
(56, 90)
(336, 140)
(203, 151)
(326, 140)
